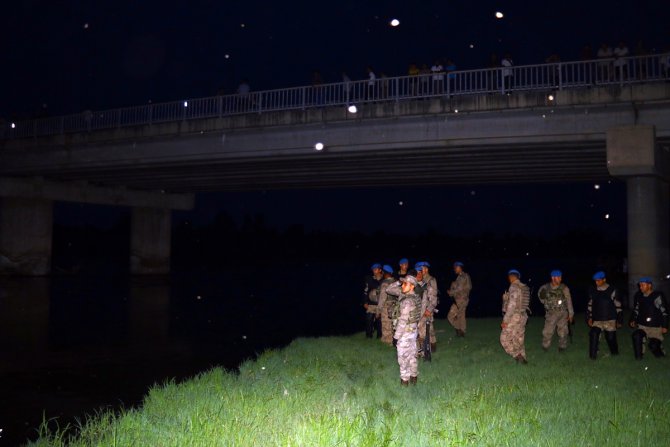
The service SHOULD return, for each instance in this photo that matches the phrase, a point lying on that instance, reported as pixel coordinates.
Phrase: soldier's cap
(599, 275)
(645, 279)
(410, 279)
(387, 268)
(403, 261)
(514, 272)
(458, 264)
(425, 264)
(418, 266)
(556, 273)
(376, 266)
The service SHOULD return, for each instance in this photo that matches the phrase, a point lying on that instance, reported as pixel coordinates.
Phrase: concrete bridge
(544, 130)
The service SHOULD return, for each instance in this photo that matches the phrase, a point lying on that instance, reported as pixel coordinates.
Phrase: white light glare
(455, 110)
(607, 216)
(395, 22)
(560, 302)
(227, 56)
(499, 15)
(550, 97)
(667, 276)
(352, 109)
(13, 125)
(319, 146)
(185, 103)
(596, 186)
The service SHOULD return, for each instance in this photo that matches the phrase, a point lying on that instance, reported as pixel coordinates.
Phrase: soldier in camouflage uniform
(515, 316)
(649, 319)
(370, 300)
(603, 314)
(403, 264)
(385, 305)
(557, 301)
(409, 305)
(429, 301)
(460, 292)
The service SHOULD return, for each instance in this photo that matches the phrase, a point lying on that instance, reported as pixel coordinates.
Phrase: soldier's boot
(562, 349)
(432, 347)
(378, 327)
(638, 343)
(369, 324)
(413, 380)
(521, 359)
(610, 336)
(395, 342)
(594, 339)
(404, 382)
(656, 348)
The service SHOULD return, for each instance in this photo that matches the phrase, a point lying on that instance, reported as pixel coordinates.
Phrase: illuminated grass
(344, 391)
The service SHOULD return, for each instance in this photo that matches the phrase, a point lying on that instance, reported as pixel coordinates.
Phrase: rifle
(427, 353)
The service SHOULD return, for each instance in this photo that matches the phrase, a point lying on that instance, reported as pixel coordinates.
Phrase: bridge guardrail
(498, 80)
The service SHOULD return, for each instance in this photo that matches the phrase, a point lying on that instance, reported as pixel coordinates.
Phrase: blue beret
(556, 273)
(514, 272)
(403, 261)
(418, 265)
(645, 279)
(375, 266)
(458, 264)
(424, 264)
(599, 275)
(387, 268)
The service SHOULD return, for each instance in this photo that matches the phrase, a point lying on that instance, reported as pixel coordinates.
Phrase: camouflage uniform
(460, 292)
(406, 331)
(515, 307)
(604, 314)
(558, 308)
(429, 301)
(371, 299)
(385, 308)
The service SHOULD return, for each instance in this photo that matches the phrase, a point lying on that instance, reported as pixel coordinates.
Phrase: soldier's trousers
(422, 330)
(456, 315)
(555, 320)
(512, 338)
(387, 328)
(372, 324)
(406, 347)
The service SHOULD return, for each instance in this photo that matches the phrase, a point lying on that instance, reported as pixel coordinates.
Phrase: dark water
(71, 345)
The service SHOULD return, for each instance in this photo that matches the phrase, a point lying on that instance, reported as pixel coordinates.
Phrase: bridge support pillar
(25, 236)
(150, 239)
(633, 153)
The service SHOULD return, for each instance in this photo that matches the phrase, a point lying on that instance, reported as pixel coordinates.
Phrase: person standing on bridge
(559, 313)
(372, 84)
(603, 314)
(649, 319)
(507, 72)
(459, 291)
(371, 299)
(515, 315)
(409, 312)
(385, 306)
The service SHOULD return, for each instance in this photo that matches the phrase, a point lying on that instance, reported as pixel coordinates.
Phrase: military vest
(415, 312)
(647, 312)
(603, 307)
(554, 299)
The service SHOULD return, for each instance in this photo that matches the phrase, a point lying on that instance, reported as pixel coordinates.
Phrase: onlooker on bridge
(621, 62)
(372, 83)
(424, 73)
(493, 79)
(383, 85)
(604, 66)
(450, 68)
(553, 72)
(346, 84)
(586, 71)
(438, 77)
(244, 88)
(665, 63)
(641, 64)
(413, 82)
(507, 72)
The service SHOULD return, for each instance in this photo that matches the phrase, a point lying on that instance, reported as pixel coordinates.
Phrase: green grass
(344, 391)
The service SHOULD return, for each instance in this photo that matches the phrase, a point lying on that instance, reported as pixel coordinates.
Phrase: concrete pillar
(149, 312)
(26, 227)
(632, 153)
(150, 240)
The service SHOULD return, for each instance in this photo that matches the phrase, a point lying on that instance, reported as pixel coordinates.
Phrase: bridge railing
(498, 80)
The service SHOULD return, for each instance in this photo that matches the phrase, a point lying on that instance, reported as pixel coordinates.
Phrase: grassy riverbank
(344, 391)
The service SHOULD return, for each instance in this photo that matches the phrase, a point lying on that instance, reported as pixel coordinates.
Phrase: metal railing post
(560, 76)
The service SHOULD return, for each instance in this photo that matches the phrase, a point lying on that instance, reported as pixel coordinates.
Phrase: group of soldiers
(400, 307)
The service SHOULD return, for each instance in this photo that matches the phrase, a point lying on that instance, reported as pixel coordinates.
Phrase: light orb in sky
(596, 186)
(395, 22)
(401, 203)
(352, 109)
(13, 125)
(499, 15)
(226, 56)
(319, 146)
(607, 216)
(472, 45)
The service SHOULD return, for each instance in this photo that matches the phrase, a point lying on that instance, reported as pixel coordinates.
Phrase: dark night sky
(74, 55)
